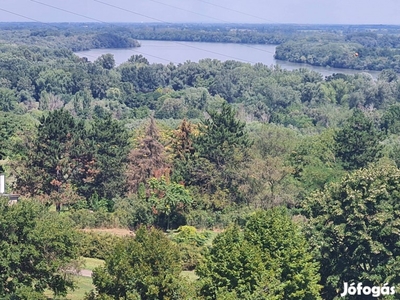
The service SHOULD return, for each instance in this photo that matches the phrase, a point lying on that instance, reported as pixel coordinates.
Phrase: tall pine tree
(221, 149)
(111, 147)
(147, 160)
(55, 157)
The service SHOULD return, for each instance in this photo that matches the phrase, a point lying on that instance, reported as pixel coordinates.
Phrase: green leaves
(147, 265)
(356, 228)
(270, 259)
(37, 251)
(66, 159)
(221, 149)
(357, 144)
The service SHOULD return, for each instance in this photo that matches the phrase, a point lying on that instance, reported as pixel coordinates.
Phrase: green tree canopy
(270, 259)
(286, 252)
(111, 146)
(55, 157)
(221, 149)
(38, 251)
(357, 143)
(221, 137)
(147, 266)
(232, 265)
(355, 226)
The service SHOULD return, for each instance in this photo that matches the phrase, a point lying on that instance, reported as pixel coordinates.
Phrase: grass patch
(92, 263)
(84, 285)
(190, 275)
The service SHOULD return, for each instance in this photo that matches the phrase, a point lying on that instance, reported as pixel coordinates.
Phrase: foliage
(97, 245)
(221, 148)
(314, 161)
(286, 252)
(354, 225)
(390, 120)
(147, 160)
(168, 198)
(358, 142)
(191, 244)
(355, 50)
(147, 266)
(110, 142)
(220, 135)
(271, 259)
(55, 158)
(38, 249)
(182, 149)
(232, 265)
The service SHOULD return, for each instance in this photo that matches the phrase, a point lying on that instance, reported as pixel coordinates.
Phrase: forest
(236, 181)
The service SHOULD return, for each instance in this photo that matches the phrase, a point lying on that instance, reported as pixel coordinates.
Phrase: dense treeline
(300, 171)
(354, 47)
(357, 50)
(77, 37)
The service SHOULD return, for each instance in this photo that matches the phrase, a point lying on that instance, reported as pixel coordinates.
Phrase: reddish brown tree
(147, 160)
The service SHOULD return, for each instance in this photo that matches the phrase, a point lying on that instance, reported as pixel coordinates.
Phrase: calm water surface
(179, 52)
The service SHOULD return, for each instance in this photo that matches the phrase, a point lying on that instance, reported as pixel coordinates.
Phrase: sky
(203, 11)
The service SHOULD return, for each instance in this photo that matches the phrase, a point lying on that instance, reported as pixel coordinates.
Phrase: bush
(190, 243)
(84, 218)
(97, 245)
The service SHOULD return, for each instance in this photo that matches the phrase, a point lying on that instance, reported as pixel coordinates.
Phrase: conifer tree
(147, 160)
(183, 150)
(55, 157)
(221, 149)
(111, 146)
(221, 137)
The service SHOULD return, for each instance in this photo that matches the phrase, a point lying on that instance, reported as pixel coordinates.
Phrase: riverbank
(176, 52)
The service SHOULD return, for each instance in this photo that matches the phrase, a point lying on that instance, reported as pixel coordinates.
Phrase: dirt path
(115, 231)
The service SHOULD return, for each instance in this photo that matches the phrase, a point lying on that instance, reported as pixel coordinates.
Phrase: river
(179, 52)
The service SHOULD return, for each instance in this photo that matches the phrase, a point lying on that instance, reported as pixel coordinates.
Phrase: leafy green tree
(286, 252)
(270, 259)
(390, 121)
(354, 225)
(38, 251)
(358, 142)
(11, 127)
(55, 81)
(8, 101)
(107, 61)
(138, 59)
(233, 265)
(147, 266)
(314, 161)
(82, 103)
(168, 198)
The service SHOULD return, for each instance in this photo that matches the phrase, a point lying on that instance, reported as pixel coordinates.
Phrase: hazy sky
(214, 11)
